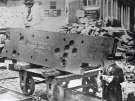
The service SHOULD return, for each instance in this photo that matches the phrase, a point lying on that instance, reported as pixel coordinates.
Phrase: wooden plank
(6, 94)
(75, 96)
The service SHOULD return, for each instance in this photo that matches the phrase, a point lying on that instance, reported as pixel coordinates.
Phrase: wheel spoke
(27, 83)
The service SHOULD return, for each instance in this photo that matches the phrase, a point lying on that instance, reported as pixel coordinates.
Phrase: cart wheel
(92, 89)
(55, 92)
(27, 83)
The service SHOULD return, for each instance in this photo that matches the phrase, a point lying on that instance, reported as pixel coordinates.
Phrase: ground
(10, 89)
(10, 80)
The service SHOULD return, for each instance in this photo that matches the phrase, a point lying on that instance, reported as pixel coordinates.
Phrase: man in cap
(32, 14)
(113, 76)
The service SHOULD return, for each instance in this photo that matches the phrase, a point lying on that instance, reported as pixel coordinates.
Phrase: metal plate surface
(56, 50)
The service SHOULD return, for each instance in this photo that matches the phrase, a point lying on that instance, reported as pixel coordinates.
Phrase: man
(32, 13)
(3, 38)
(113, 76)
(71, 7)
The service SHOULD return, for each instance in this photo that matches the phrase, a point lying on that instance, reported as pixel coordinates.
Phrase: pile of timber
(131, 50)
(85, 27)
(94, 28)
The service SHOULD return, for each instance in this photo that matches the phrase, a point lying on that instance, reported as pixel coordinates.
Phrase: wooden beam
(75, 96)
(112, 8)
(122, 15)
(107, 9)
(128, 17)
(116, 9)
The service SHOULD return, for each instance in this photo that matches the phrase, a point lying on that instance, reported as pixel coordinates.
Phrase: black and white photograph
(67, 50)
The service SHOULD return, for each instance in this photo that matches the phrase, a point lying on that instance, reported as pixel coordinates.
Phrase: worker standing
(71, 7)
(32, 13)
(67, 11)
(113, 76)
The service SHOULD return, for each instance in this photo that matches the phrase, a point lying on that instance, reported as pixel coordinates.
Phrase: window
(85, 2)
(90, 2)
(52, 4)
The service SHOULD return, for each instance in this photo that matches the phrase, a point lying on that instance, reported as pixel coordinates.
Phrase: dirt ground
(10, 80)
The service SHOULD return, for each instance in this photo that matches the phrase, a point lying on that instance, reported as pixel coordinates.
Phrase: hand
(107, 78)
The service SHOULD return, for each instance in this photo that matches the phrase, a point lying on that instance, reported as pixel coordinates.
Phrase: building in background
(122, 11)
(67, 8)
(91, 8)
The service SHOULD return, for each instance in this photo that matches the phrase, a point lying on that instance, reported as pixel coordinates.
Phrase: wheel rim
(27, 84)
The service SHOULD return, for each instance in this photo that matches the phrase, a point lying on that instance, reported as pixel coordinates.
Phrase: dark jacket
(112, 91)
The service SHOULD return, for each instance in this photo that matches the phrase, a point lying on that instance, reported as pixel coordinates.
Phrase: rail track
(15, 95)
(12, 95)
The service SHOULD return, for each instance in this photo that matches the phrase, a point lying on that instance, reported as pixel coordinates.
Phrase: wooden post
(107, 9)
(103, 9)
(134, 21)
(116, 9)
(119, 13)
(112, 8)
(122, 15)
(128, 17)
(125, 17)
(87, 3)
